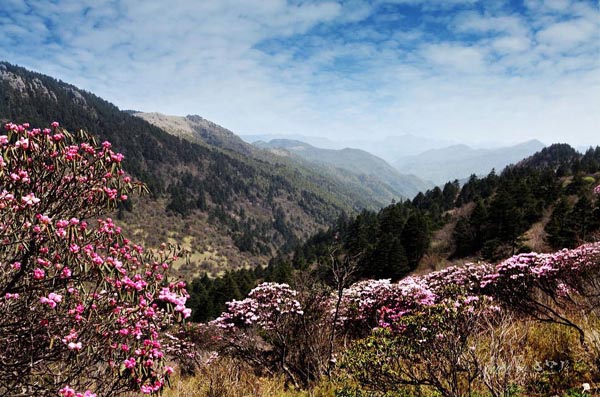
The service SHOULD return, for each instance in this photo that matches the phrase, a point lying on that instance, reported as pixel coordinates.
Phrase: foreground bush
(280, 331)
(81, 307)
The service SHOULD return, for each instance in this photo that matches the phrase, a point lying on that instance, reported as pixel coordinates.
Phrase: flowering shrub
(82, 308)
(265, 306)
(193, 347)
(372, 303)
(280, 330)
(433, 347)
(544, 285)
(523, 283)
(427, 326)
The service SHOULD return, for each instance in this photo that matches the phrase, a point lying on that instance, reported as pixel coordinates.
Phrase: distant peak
(194, 117)
(281, 142)
(461, 146)
(532, 142)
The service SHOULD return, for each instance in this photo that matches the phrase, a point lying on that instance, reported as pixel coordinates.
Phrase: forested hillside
(542, 203)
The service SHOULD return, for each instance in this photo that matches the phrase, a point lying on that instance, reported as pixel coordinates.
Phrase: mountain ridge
(459, 161)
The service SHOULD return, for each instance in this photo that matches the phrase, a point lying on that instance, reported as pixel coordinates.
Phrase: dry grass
(226, 378)
(211, 250)
(519, 358)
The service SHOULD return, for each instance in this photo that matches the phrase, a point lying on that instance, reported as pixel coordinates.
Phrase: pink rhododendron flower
(130, 362)
(74, 345)
(38, 273)
(77, 269)
(30, 199)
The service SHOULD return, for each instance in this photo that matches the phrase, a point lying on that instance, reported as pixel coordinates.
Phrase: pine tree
(582, 217)
(415, 238)
(449, 194)
(560, 229)
(463, 237)
(387, 261)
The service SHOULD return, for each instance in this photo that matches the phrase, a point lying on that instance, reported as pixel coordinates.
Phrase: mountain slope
(228, 209)
(355, 161)
(544, 202)
(460, 161)
(553, 156)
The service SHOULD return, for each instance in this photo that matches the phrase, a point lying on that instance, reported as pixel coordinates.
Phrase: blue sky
(461, 70)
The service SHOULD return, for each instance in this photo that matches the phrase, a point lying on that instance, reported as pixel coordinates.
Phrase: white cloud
(511, 44)
(431, 4)
(557, 5)
(477, 23)
(565, 35)
(548, 5)
(518, 76)
(460, 58)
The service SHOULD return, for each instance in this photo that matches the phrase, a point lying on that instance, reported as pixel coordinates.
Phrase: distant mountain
(460, 161)
(355, 161)
(389, 148)
(317, 141)
(392, 148)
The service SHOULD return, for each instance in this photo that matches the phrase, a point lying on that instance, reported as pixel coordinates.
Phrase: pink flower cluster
(264, 307)
(374, 303)
(167, 295)
(52, 300)
(67, 391)
(527, 270)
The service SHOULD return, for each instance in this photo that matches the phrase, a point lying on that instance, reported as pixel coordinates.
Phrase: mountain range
(356, 161)
(461, 161)
(317, 141)
(389, 148)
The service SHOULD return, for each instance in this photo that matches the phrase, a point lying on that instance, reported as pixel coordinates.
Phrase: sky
(460, 70)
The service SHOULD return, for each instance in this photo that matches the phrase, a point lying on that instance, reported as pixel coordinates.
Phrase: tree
(560, 229)
(582, 217)
(506, 217)
(463, 237)
(469, 233)
(415, 238)
(80, 306)
(450, 192)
